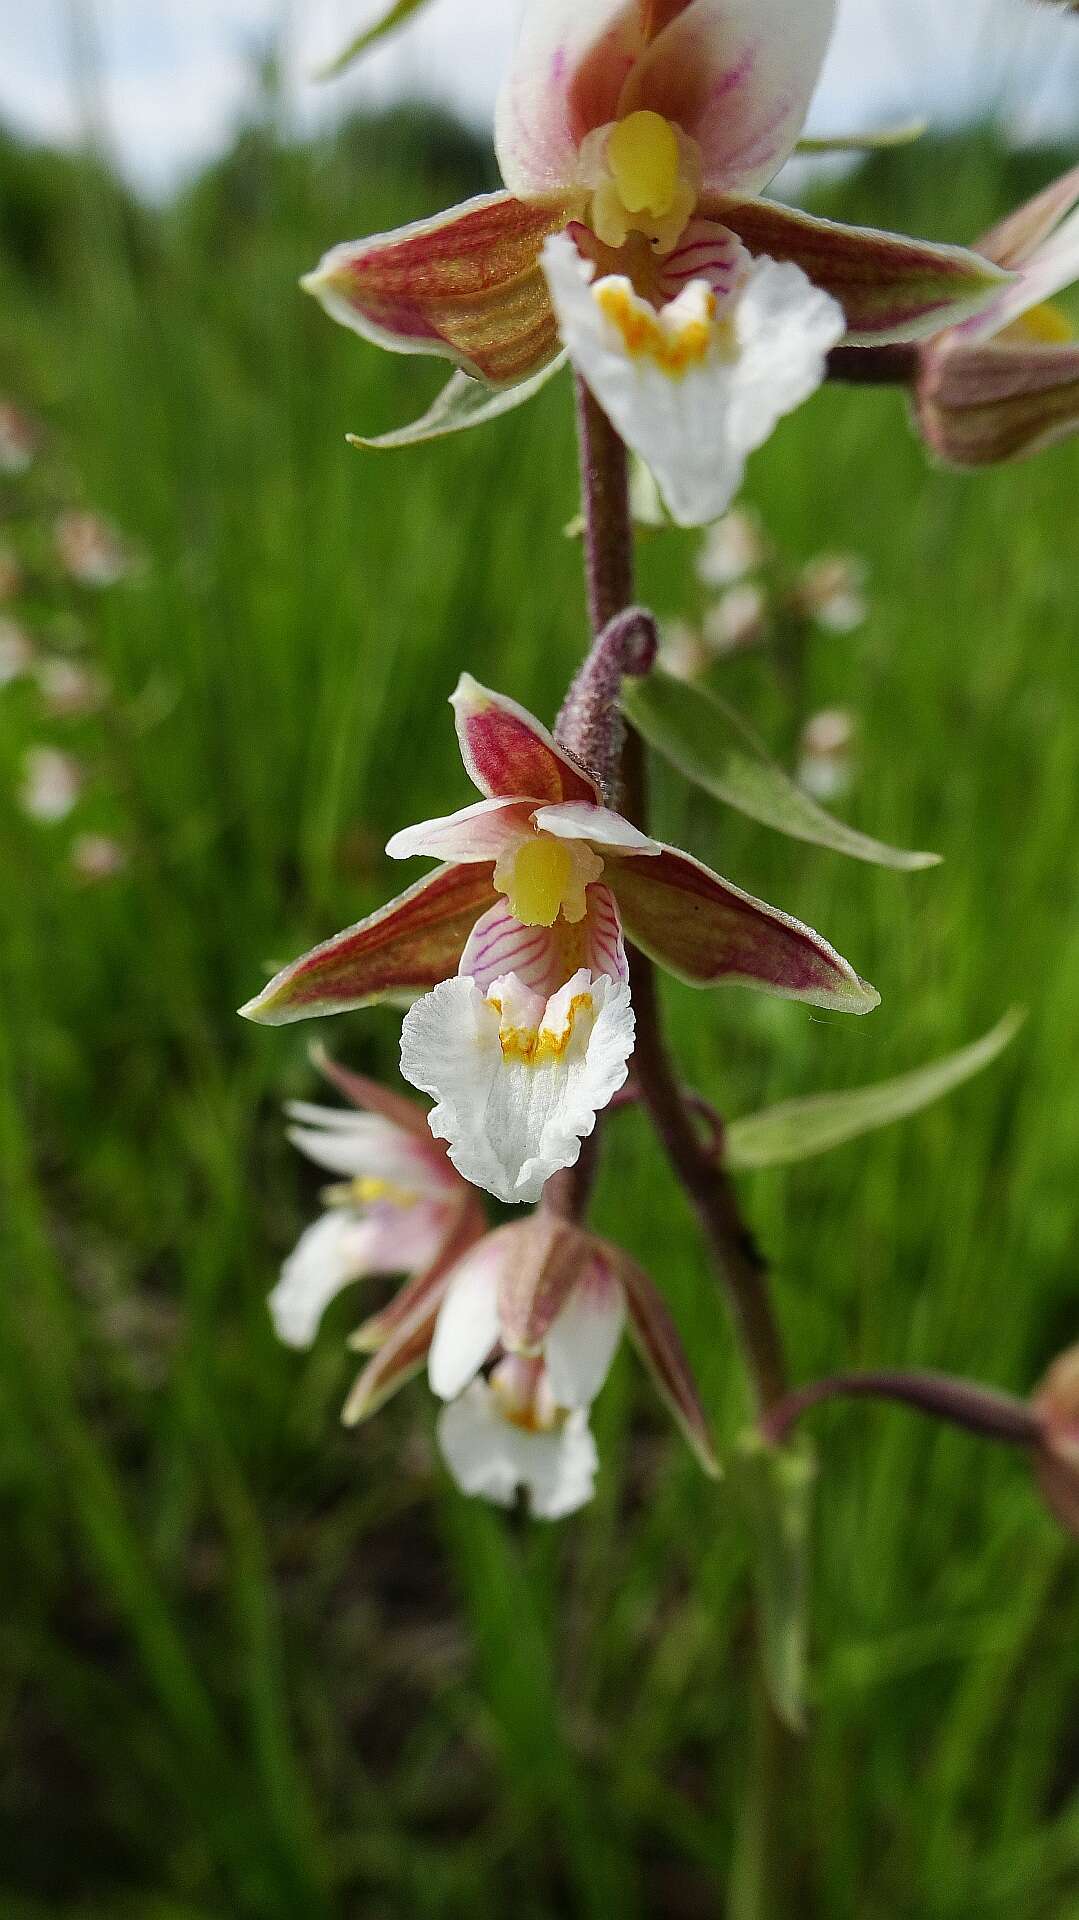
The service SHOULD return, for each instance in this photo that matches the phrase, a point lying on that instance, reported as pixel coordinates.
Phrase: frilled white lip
(699, 386)
(518, 1081)
(491, 1457)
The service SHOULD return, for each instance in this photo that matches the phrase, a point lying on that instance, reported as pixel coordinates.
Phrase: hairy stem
(609, 566)
(608, 528)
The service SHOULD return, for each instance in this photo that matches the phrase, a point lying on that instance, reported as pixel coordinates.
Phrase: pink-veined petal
(600, 826)
(468, 1325)
(405, 948)
(889, 287)
(982, 404)
(543, 958)
(568, 70)
(465, 285)
(584, 1337)
(479, 832)
(703, 929)
(1013, 241)
(657, 1341)
(706, 251)
(737, 76)
(509, 755)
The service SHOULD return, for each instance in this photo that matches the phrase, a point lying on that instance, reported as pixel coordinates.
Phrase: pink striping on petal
(499, 944)
(606, 952)
(736, 76)
(707, 251)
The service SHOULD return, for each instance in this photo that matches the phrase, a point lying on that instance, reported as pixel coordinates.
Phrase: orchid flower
(1005, 384)
(397, 1206)
(543, 1305)
(523, 1025)
(634, 139)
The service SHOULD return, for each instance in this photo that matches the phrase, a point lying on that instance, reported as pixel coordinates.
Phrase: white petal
(479, 832)
(466, 1331)
(512, 1120)
(695, 427)
(326, 1259)
(488, 1456)
(786, 329)
(355, 1144)
(582, 1343)
(566, 76)
(737, 75)
(600, 826)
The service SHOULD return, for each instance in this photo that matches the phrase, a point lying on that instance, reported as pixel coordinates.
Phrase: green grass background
(254, 1667)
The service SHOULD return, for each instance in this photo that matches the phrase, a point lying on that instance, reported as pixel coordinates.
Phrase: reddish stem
(961, 1403)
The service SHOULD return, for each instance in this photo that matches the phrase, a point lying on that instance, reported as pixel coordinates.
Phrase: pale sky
(174, 74)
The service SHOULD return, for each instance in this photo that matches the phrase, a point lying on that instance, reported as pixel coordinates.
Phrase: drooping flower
(92, 550)
(397, 1206)
(16, 651)
(20, 437)
(1005, 383)
(826, 753)
(52, 783)
(523, 1023)
(830, 591)
(70, 689)
(543, 1305)
(634, 138)
(734, 547)
(96, 857)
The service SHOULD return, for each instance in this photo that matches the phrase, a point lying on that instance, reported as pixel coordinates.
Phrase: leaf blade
(394, 16)
(801, 1129)
(462, 403)
(776, 1488)
(708, 742)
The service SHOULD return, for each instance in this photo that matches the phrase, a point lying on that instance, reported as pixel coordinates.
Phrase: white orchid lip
(518, 1078)
(697, 384)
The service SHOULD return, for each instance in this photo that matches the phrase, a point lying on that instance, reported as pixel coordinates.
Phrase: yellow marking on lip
(673, 349)
(538, 1046)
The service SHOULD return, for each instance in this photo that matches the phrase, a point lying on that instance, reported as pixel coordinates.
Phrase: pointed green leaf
(463, 402)
(776, 1488)
(394, 16)
(801, 1128)
(880, 141)
(714, 747)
